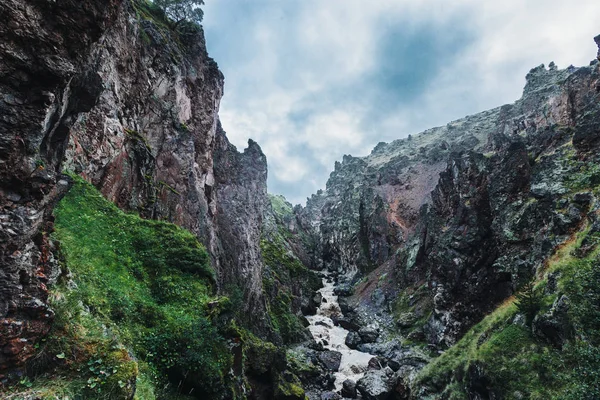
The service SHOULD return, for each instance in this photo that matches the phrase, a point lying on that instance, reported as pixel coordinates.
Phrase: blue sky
(312, 80)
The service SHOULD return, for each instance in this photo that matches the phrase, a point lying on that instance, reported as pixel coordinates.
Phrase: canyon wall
(107, 91)
(466, 213)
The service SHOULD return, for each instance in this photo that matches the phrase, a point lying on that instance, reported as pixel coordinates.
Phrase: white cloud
(284, 57)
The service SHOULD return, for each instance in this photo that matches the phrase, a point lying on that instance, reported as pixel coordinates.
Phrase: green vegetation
(288, 386)
(136, 136)
(149, 11)
(138, 304)
(529, 301)
(281, 207)
(172, 37)
(411, 310)
(286, 280)
(515, 362)
(586, 175)
(284, 272)
(301, 365)
(181, 10)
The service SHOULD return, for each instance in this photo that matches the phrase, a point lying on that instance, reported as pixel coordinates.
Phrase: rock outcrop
(462, 214)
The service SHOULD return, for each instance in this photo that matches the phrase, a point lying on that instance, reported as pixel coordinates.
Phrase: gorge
(141, 255)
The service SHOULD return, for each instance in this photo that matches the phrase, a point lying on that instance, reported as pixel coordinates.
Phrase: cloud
(313, 80)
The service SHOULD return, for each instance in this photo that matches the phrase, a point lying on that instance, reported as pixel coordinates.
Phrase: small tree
(182, 10)
(529, 301)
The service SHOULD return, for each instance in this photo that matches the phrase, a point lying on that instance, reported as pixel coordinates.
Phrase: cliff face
(105, 90)
(440, 227)
(463, 214)
(43, 88)
(153, 144)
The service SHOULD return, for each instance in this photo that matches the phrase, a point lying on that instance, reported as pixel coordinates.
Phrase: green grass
(518, 364)
(138, 300)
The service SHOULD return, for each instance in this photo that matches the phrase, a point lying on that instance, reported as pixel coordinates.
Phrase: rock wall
(43, 88)
(469, 211)
(107, 90)
(153, 144)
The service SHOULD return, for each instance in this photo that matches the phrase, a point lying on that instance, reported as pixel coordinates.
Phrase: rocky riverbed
(353, 363)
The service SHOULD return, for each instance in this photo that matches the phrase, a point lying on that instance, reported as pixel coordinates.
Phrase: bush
(529, 301)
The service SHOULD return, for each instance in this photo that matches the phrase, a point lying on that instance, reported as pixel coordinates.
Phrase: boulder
(323, 323)
(376, 363)
(369, 334)
(376, 384)
(331, 359)
(349, 389)
(554, 326)
(310, 307)
(344, 306)
(343, 290)
(353, 340)
(346, 324)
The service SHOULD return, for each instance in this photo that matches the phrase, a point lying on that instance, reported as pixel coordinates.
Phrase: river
(354, 363)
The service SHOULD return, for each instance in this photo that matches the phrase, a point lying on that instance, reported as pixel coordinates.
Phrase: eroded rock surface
(44, 86)
(463, 214)
(101, 89)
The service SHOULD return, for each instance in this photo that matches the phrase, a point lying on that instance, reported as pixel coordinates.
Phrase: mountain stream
(354, 363)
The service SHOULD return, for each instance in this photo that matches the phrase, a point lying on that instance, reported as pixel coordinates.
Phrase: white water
(354, 363)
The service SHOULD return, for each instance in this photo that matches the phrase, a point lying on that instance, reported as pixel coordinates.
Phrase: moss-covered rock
(288, 387)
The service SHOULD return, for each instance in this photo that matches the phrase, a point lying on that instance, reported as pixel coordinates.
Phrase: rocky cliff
(429, 234)
(45, 86)
(184, 277)
(111, 92)
(470, 210)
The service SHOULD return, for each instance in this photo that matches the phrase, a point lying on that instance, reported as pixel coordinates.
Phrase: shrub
(529, 301)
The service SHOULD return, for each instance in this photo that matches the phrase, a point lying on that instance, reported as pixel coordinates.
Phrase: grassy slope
(519, 365)
(139, 304)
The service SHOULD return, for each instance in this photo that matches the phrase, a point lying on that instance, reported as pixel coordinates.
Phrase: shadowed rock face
(44, 86)
(241, 197)
(470, 209)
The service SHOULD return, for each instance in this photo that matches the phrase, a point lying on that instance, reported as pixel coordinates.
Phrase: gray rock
(353, 339)
(349, 389)
(376, 384)
(376, 363)
(330, 396)
(344, 306)
(346, 324)
(331, 360)
(406, 320)
(378, 297)
(369, 334)
(554, 326)
(343, 290)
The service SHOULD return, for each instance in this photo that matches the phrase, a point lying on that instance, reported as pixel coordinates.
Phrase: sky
(312, 80)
